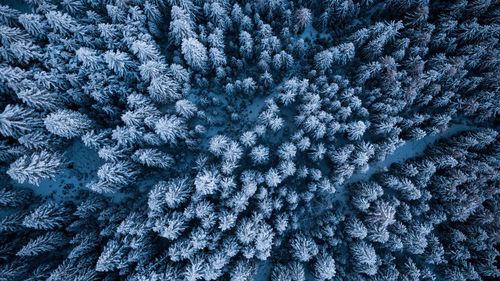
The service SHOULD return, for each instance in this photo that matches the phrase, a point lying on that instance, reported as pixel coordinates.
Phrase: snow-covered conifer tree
(67, 123)
(171, 128)
(364, 257)
(40, 99)
(259, 154)
(16, 120)
(164, 89)
(153, 158)
(33, 24)
(119, 62)
(303, 247)
(207, 182)
(195, 54)
(111, 257)
(45, 243)
(46, 216)
(61, 23)
(145, 51)
(35, 167)
(324, 267)
(181, 26)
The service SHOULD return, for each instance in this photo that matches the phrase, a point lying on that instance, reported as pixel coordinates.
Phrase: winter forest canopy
(283, 140)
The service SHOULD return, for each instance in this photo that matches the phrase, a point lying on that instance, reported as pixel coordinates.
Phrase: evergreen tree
(111, 257)
(35, 167)
(153, 158)
(45, 243)
(16, 120)
(324, 267)
(67, 123)
(170, 128)
(195, 54)
(47, 216)
(303, 248)
(14, 198)
(164, 89)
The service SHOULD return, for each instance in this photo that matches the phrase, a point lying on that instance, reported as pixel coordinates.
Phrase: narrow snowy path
(404, 152)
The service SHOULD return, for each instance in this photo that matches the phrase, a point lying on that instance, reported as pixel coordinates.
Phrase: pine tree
(324, 267)
(67, 123)
(171, 226)
(194, 270)
(273, 177)
(303, 248)
(364, 258)
(40, 99)
(181, 26)
(140, 115)
(45, 243)
(248, 138)
(16, 120)
(89, 58)
(218, 144)
(170, 128)
(33, 24)
(12, 223)
(195, 54)
(8, 16)
(242, 271)
(164, 89)
(172, 194)
(323, 60)
(61, 23)
(264, 241)
(14, 197)
(246, 44)
(152, 70)
(119, 62)
(111, 257)
(185, 108)
(355, 228)
(382, 214)
(21, 52)
(303, 17)
(145, 51)
(356, 130)
(35, 167)
(207, 182)
(120, 173)
(153, 158)
(259, 154)
(47, 216)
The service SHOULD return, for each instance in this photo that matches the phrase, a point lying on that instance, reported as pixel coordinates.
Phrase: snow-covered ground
(82, 168)
(404, 152)
(19, 5)
(311, 33)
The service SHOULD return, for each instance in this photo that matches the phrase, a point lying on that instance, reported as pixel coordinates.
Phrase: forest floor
(83, 164)
(404, 152)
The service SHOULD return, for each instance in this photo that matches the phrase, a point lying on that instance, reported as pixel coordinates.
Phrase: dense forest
(283, 140)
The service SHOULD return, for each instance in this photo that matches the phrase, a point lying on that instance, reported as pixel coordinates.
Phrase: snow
(263, 271)
(404, 152)
(253, 110)
(16, 4)
(82, 168)
(311, 33)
